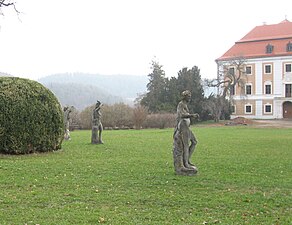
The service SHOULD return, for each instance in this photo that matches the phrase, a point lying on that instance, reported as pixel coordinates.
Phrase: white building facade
(267, 90)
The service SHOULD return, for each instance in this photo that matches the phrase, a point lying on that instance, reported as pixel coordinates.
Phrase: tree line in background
(157, 107)
(122, 116)
(164, 94)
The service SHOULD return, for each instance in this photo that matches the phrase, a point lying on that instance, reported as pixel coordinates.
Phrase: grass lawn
(245, 177)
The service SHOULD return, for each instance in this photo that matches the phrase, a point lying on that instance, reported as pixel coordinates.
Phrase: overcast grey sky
(123, 36)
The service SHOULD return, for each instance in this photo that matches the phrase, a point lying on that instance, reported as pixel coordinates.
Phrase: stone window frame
(233, 109)
(248, 66)
(232, 90)
(248, 84)
(285, 67)
(268, 83)
(231, 68)
(268, 104)
(265, 68)
(245, 108)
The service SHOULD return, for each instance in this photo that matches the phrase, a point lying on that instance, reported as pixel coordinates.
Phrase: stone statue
(97, 127)
(67, 111)
(184, 141)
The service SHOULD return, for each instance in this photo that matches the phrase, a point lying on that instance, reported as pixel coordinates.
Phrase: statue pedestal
(186, 171)
(95, 138)
(181, 156)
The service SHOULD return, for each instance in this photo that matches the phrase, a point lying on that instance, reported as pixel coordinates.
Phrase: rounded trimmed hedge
(31, 118)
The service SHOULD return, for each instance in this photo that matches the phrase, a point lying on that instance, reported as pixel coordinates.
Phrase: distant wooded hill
(5, 74)
(82, 90)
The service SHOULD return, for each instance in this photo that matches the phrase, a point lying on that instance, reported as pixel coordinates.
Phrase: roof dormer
(269, 49)
(289, 47)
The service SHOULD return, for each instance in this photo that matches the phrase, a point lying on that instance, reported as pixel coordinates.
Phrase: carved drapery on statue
(184, 141)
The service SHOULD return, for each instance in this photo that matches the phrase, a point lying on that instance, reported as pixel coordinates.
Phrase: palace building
(267, 90)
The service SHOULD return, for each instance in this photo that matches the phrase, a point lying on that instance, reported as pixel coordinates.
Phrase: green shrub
(31, 118)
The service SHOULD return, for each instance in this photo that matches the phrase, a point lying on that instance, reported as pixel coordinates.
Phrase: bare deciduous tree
(139, 116)
(230, 74)
(7, 3)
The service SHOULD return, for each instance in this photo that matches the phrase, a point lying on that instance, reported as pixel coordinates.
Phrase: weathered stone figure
(67, 110)
(96, 124)
(184, 141)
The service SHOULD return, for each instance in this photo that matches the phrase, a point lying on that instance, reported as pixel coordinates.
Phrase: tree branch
(6, 4)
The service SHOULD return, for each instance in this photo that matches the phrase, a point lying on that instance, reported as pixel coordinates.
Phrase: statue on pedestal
(97, 127)
(184, 141)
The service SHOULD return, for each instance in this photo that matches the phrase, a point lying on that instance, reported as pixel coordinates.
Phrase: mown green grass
(245, 177)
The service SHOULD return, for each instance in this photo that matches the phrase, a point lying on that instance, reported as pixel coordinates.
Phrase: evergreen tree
(164, 94)
(155, 98)
(173, 94)
(190, 79)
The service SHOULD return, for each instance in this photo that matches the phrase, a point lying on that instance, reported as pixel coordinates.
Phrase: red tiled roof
(253, 45)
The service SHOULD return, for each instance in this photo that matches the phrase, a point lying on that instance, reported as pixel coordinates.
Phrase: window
(233, 109)
(268, 108)
(288, 90)
(248, 70)
(269, 48)
(231, 71)
(289, 47)
(268, 69)
(268, 89)
(232, 90)
(248, 109)
(288, 68)
(248, 89)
